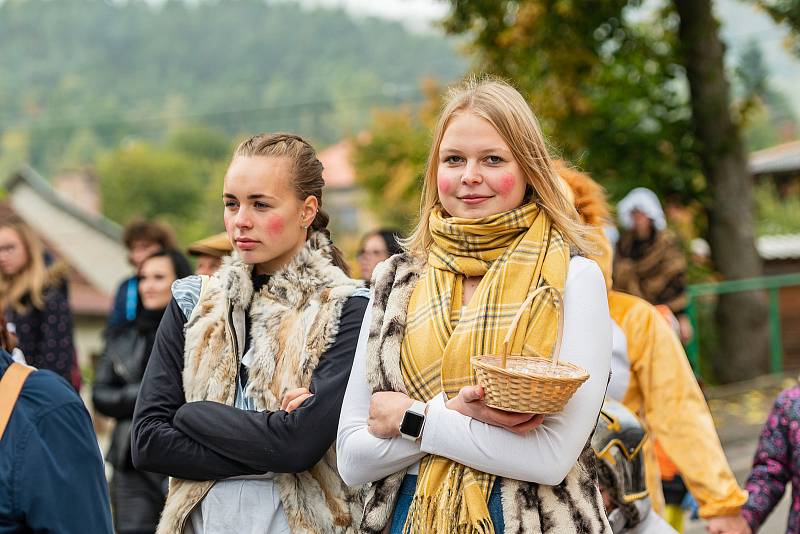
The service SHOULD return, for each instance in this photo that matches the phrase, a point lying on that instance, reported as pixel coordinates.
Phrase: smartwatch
(413, 421)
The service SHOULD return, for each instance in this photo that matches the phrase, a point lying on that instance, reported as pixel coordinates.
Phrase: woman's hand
(469, 402)
(386, 411)
(685, 329)
(728, 524)
(294, 398)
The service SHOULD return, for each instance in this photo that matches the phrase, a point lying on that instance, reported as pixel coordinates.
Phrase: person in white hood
(648, 262)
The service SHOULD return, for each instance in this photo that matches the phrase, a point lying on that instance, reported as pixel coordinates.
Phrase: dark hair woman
(375, 247)
(137, 497)
(249, 366)
(142, 239)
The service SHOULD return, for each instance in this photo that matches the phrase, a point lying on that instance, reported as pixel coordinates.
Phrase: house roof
(28, 176)
(779, 247)
(776, 159)
(338, 172)
(89, 244)
(84, 298)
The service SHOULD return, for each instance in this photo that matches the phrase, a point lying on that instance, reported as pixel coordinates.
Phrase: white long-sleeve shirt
(545, 455)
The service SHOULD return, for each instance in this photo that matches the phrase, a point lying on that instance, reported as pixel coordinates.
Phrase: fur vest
(575, 505)
(294, 319)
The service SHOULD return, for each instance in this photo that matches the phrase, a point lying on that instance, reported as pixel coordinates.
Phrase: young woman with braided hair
(495, 225)
(241, 396)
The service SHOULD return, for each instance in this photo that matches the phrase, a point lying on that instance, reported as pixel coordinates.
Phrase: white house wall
(99, 258)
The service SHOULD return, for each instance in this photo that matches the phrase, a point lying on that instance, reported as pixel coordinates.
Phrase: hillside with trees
(82, 76)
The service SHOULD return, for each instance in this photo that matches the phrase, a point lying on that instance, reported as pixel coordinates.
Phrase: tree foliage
(173, 182)
(606, 83)
(390, 160)
(766, 113)
(787, 12)
(778, 214)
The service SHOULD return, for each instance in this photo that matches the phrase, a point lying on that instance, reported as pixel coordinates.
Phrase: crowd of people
(269, 391)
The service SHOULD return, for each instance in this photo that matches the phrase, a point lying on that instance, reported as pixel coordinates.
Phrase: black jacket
(209, 441)
(118, 377)
(45, 336)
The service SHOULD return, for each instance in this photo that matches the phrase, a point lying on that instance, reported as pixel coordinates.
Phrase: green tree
(778, 214)
(201, 141)
(210, 150)
(14, 151)
(390, 159)
(140, 180)
(606, 84)
(82, 150)
(765, 111)
(390, 163)
(752, 71)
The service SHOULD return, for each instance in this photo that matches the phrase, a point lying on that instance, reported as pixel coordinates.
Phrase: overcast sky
(416, 14)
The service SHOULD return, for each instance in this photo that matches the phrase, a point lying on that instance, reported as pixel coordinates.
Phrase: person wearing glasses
(375, 247)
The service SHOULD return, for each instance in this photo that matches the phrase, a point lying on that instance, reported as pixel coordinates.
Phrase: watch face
(412, 424)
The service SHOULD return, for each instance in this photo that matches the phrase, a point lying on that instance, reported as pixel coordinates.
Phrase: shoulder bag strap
(10, 388)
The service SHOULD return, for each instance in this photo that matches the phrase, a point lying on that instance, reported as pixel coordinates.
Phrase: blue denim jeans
(407, 495)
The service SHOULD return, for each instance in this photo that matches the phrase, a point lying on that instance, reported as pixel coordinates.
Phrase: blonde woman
(495, 224)
(33, 296)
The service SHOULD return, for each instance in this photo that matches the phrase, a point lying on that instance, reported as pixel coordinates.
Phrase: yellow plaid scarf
(435, 355)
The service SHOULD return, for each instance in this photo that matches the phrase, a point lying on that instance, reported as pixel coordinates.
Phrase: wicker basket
(529, 384)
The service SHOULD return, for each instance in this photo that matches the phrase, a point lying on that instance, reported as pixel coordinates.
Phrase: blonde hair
(33, 278)
(504, 108)
(590, 201)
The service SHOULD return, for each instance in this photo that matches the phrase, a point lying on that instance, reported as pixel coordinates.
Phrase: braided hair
(307, 177)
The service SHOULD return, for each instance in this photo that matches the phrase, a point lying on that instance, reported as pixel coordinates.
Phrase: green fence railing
(771, 284)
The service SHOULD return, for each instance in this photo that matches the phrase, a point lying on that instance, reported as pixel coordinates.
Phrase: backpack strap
(10, 388)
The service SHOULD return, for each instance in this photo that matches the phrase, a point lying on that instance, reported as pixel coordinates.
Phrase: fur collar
(575, 505)
(309, 272)
(395, 277)
(294, 319)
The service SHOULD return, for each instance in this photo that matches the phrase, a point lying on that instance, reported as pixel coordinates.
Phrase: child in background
(776, 462)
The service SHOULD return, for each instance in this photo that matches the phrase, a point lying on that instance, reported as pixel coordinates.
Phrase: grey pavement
(739, 412)
(740, 457)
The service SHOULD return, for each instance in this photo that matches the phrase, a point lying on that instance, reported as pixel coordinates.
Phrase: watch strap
(417, 408)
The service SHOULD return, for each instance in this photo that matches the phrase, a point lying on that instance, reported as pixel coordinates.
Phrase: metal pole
(775, 341)
(693, 348)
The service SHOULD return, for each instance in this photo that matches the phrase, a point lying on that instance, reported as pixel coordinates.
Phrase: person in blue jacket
(51, 470)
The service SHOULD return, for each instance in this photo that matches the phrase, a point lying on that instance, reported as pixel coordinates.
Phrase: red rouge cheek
(444, 185)
(506, 184)
(275, 224)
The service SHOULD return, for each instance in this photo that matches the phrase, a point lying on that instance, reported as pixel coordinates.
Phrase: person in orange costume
(652, 377)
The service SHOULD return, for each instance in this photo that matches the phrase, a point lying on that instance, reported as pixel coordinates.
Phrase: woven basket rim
(582, 377)
(514, 410)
